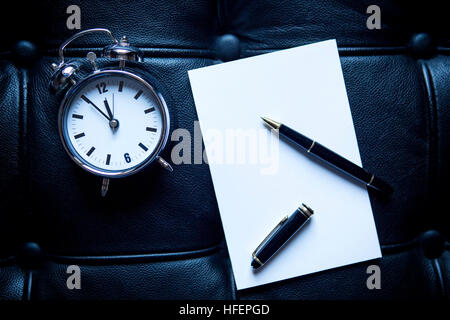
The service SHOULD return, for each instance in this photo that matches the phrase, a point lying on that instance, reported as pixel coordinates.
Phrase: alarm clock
(112, 122)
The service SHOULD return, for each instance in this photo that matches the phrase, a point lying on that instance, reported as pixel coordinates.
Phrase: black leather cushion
(158, 235)
(405, 275)
(12, 149)
(12, 280)
(145, 213)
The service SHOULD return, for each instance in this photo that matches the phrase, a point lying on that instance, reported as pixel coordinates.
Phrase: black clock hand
(108, 109)
(113, 104)
(113, 123)
(97, 108)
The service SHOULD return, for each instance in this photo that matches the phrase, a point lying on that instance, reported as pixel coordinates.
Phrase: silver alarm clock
(112, 122)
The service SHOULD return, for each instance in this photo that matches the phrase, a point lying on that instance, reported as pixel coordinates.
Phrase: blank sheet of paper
(258, 183)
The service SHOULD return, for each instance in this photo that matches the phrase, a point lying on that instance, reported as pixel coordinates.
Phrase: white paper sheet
(304, 88)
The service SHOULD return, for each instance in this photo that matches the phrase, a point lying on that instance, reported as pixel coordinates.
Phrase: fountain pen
(332, 158)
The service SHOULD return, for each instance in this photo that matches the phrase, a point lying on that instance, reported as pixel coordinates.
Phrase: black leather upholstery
(159, 235)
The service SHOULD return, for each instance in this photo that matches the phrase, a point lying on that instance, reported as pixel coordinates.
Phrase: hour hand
(113, 123)
(108, 109)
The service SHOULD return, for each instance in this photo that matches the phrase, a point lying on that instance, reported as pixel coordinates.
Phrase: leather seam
(22, 131)
(146, 51)
(442, 49)
(435, 113)
(222, 14)
(399, 247)
(27, 286)
(432, 158)
(403, 48)
(440, 278)
(389, 248)
(7, 260)
(202, 52)
(344, 50)
(137, 258)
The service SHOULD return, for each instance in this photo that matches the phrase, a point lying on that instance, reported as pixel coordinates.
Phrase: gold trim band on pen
(312, 145)
(371, 180)
(305, 210)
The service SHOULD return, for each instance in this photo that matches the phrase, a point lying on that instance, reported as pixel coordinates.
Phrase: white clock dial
(113, 123)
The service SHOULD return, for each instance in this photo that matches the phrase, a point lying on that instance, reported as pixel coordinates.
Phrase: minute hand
(98, 109)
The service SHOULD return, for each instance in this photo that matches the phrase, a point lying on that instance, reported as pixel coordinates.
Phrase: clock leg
(164, 164)
(105, 186)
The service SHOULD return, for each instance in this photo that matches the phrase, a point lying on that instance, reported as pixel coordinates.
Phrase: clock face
(113, 123)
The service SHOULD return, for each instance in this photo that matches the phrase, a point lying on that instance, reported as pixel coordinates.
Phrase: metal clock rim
(119, 173)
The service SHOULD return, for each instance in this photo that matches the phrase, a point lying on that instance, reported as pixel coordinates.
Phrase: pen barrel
(335, 160)
(350, 168)
(294, 223)
(341, 163)
(294, 136)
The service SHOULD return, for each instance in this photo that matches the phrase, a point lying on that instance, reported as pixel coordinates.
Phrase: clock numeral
(120, 86)
(151, 129)
(149, 110)
(108, 159)
(101, 87)
(127, 157)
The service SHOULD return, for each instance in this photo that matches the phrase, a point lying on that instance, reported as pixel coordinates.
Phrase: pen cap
(307, 211)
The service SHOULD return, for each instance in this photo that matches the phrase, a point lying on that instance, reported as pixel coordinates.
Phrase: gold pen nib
(271, 123)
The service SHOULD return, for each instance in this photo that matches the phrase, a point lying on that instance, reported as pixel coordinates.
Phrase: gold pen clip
(270, 234)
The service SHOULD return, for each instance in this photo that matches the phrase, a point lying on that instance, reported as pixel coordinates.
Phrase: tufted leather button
(227, 47)
(30, 255)
(25, 52)
(433, 244)
(422, 44)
